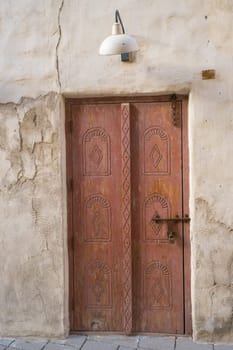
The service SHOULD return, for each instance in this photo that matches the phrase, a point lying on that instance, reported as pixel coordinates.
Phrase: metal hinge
(176, 111)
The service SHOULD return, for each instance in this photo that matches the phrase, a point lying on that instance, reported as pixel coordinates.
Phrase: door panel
(126, 274)
(157, 190)
(98, 242)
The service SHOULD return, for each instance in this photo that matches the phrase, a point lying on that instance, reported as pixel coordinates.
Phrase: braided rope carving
(126, 215)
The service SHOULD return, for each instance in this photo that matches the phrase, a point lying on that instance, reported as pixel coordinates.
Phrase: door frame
(69, 102)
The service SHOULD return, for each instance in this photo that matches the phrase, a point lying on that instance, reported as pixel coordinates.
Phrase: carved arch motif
(98, 283)
(157, 157)
(157, 286)
(156, 204)
(96, 152)
(97, 219)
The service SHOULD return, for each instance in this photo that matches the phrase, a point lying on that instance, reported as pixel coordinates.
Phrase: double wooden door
(129, 269)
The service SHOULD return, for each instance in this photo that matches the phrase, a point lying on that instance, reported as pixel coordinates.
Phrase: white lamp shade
(117, 44)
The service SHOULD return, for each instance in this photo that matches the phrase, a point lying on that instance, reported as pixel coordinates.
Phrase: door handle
(171, 236)
(176, 219)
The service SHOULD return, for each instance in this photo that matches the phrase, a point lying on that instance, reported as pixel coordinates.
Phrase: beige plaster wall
(32, 219)
(51, 48)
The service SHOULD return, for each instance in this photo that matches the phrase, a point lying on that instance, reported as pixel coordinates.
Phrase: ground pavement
(81, 342)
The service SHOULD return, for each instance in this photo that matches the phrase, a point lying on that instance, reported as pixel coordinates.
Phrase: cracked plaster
(31, 219)
(58, 42)
(56, 45)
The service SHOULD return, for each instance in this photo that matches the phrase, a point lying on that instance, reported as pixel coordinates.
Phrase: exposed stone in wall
(31, 219)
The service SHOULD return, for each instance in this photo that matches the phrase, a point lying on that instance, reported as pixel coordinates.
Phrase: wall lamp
(119, 43)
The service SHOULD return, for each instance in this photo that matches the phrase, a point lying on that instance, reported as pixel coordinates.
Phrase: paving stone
(157, 343)
(111, 342)
(22, 344)
(188, 344)
(54, 346)
(123, 340)
(98, 345)
(6, 341)
(73, 340)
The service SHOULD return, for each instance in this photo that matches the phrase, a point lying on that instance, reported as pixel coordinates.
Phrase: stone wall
(50, 51)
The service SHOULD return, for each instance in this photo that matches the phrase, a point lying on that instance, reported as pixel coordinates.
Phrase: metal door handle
(158, 219)
(171, 236)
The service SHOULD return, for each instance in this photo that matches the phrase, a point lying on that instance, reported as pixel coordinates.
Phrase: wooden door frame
(69, 102)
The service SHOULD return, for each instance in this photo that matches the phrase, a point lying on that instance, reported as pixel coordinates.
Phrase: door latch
(171, 236)
(157, 219)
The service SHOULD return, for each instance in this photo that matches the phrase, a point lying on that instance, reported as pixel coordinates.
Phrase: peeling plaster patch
(3, 137)
(35, 209)
(213, 304)
(34, 141)
(211, 216)
(31, 218)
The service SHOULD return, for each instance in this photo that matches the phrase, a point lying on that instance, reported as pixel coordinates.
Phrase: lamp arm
(117, 16)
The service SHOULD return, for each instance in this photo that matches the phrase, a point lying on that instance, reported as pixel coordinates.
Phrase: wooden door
(101, 218)
(157, 191)
(127, 167)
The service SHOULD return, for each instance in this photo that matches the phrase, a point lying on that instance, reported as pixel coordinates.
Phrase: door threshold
(115, 333)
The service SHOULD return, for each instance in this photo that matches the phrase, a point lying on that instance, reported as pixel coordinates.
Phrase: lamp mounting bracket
(118, 17)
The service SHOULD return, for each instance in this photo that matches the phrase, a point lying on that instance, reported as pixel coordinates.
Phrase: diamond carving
(96, 156)
(155, 227)
(155, 156)
(98, 285)
(98, 288)
(157, 291)
(126, 212)
(96, 152)
(97, 223)
(155, 204)
(157, 153)
(97, 219)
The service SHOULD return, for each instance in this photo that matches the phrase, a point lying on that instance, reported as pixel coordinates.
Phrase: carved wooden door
(127, 165)
(157, 191)
(101, 207)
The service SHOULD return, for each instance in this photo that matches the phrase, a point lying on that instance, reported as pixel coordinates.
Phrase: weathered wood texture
(129, 163)
(157, 190)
